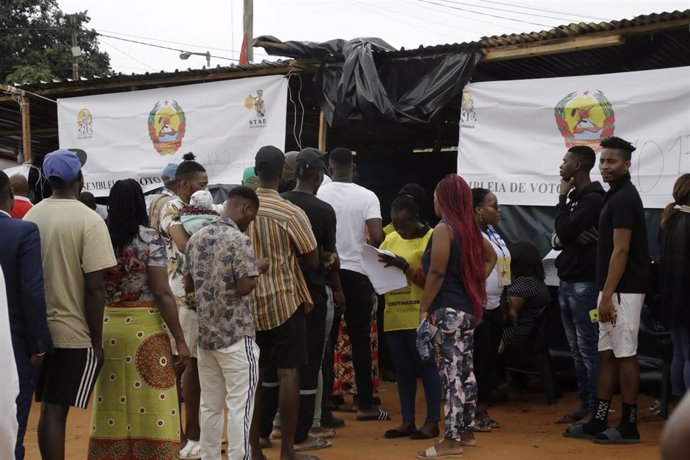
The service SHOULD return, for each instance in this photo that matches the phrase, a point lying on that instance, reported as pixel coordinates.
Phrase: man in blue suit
(20, 259)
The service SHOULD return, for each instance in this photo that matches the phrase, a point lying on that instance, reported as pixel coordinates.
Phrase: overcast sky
(216, 25)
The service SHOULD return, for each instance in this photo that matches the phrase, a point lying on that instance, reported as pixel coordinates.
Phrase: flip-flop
(394, 433)
(382, 416)
(571, 418)
(430, 453)
(418, 434)
(312, 443)
(577, 432)
(614, 437)
(322, 432)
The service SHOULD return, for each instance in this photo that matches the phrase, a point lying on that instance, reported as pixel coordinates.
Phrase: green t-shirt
(402, 305)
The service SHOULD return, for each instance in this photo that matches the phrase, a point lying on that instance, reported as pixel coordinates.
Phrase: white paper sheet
(550, 271)
(384, 279)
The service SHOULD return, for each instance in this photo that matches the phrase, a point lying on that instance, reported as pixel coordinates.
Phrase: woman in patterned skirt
(135, 411)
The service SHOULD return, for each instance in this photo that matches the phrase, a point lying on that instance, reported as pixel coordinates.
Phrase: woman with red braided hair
(457, 263)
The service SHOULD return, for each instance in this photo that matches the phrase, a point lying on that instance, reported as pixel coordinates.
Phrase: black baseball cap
(269, 158)
(310, 158)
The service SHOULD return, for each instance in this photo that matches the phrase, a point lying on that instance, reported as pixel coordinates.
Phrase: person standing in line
(407, 242)
(75, 252)
(190, 177)
(281, 232)
(159, 202)
(9, 385)
(224, 269)
(622, 276)
(309, 173)
(20, 259)
(674, 280)
(136, 402)
(579, 206)
(20, 189)
(357, 210)
(457, 263)
(487, 336)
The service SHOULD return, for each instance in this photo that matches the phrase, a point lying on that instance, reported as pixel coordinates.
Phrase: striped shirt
(281, 232)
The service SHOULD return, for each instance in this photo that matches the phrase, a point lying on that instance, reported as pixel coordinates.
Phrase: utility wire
(452, 2)
(159, 46)
(469, 18)
(486, 14)
(128, 55)
(534, 8)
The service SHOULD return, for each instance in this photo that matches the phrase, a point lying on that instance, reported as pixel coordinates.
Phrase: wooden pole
(247, 28)
(26, 128)
(323, 132)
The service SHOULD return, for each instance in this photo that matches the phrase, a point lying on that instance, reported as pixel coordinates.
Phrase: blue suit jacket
(20, 258)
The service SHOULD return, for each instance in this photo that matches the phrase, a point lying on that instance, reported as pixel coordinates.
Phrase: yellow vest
(402, 305)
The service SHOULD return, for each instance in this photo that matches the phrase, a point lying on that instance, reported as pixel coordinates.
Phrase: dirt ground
(527, 432)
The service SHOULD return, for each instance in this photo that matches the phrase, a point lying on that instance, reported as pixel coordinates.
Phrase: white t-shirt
(493, 288)
(353, 206)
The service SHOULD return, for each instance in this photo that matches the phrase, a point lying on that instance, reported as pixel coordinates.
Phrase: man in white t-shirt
(358, 212)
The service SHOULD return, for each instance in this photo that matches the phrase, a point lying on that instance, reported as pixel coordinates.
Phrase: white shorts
(621, 338)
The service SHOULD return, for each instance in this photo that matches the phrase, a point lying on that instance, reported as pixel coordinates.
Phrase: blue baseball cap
(63, 164)
(170, 170)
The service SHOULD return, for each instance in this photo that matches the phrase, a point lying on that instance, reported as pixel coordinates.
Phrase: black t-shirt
(322, 218)
(623, 209)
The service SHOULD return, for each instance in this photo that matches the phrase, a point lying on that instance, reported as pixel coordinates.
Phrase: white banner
(135, 134)
(514, 134)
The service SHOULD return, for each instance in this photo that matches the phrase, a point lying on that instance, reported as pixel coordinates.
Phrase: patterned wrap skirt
(135, 406)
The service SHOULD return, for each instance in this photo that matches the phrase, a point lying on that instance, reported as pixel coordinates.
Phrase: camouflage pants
(455, 341)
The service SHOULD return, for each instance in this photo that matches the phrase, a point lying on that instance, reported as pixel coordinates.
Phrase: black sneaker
(329, 421)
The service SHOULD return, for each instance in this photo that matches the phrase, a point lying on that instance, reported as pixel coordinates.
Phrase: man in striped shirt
(282, 233)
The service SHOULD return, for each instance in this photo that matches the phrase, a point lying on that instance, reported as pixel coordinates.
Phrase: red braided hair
(455, 200)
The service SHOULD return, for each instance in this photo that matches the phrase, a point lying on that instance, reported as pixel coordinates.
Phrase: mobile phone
(594, 315)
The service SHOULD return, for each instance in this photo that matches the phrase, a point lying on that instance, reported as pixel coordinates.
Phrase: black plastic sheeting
(359, 81)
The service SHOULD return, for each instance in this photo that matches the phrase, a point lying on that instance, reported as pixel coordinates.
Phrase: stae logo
(585, 118)
(167, 125)
(257, 103)
(468, 118)
(84, 124)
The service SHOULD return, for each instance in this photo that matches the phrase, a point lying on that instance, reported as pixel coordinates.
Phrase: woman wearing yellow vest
(401, 315)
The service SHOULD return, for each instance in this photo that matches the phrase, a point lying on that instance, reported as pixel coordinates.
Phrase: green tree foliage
(36, 41)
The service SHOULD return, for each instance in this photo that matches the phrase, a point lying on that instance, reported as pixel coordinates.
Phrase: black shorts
(68, 376)
(284, 347)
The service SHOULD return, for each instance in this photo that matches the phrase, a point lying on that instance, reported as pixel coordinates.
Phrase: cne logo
(257, 103)
(84, 124)
(585, 118)
(167, 125)
(468, 117)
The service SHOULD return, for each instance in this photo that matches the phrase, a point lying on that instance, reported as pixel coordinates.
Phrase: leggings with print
(455, 341)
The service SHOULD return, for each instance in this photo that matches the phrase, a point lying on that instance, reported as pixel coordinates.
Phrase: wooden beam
(48, 132)
(566, 45)
(323, 132)
(26, 128)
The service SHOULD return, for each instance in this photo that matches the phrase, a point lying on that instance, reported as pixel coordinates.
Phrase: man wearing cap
(309, 172)
(75, 249)
(282, 233)
(20, 259)
(160, 201)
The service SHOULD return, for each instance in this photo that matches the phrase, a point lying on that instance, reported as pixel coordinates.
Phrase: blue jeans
(403, 348)
(576, 299)
(680, 366)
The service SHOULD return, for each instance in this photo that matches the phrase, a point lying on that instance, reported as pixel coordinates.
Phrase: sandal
(573, 417)
(312, 443)
(322, 432)
(614, 437)
(577, 432)
(191, 451)
(431, 453)
(382, 416)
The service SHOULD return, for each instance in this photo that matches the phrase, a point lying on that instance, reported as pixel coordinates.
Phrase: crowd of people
(243, 311)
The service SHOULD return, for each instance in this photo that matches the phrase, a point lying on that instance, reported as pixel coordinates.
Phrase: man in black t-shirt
(622, 274)
(309, 173)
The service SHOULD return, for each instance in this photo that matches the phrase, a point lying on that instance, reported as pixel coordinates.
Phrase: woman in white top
(487, 335)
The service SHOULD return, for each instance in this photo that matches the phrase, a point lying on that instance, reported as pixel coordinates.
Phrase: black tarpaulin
(365, 79)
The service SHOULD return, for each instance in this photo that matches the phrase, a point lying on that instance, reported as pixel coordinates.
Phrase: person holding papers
(401, 315)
